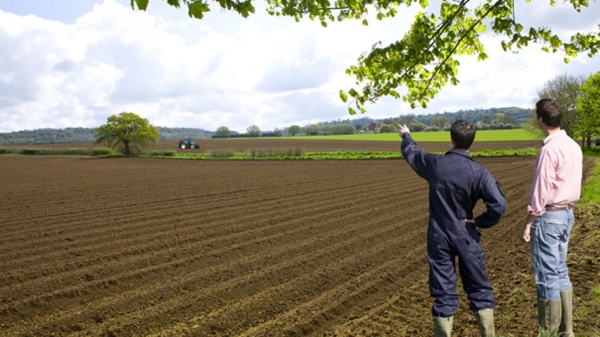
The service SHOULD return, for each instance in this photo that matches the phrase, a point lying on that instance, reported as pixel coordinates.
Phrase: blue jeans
(549, 244)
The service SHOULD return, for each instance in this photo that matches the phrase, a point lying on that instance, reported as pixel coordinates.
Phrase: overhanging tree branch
(422, 61)
(470, 30)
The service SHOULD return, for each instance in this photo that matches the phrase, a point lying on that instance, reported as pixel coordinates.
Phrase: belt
(558, 208)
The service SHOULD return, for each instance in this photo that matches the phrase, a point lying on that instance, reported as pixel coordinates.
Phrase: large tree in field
(294, 130)
(253, 131)
(426, 58)
(223, 132)
(588, 110)
(564, 89)
(127, 133)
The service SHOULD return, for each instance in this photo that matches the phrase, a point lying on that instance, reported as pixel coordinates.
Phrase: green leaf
(197, 9)
(555, 41)
(142, 4)
(174, 3)
(567, 60)
(343, 96)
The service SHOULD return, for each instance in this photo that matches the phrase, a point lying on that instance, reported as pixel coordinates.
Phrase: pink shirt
(557, 174)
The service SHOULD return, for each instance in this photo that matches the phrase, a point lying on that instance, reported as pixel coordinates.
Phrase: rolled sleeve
(541, 187)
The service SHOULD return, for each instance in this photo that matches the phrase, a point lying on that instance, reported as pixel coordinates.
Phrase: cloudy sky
(73, 63)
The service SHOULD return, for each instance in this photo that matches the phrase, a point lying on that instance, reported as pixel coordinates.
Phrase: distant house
(371, 126)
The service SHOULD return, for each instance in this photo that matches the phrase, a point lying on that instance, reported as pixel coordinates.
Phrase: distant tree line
(494, 118)
(337, 129)
(48, 136)
(181, 133)
(85, 135)
(582, 121)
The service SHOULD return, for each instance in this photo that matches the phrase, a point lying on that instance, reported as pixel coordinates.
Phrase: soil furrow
(134, 246)
(70, 293)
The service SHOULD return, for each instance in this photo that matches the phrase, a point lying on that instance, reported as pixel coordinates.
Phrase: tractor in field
(187, 143)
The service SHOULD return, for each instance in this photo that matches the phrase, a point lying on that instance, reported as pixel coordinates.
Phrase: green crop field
(439, 136)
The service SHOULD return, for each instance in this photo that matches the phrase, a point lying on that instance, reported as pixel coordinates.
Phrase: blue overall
(456, 183)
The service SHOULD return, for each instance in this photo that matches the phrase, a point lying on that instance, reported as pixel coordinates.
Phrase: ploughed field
(157, 247)
(304, 143)
(308, 145)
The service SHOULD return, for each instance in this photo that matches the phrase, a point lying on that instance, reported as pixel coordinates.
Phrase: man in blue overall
(456, 183)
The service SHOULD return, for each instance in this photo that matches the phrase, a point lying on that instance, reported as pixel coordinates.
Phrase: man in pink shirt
(555, 189)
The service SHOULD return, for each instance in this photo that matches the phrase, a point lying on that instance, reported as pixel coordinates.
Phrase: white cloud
(225, 70)
(507, 79)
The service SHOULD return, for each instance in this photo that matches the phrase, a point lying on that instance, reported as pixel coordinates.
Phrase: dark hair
(549, 111)
(462, 134)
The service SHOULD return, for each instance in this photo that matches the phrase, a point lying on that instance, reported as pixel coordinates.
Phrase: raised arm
(419, 160)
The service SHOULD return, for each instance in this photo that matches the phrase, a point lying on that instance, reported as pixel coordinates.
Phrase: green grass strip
(334, 155)
(256, 154)
(436, 136)
(591, 190)
(589, 204)
(60, 151)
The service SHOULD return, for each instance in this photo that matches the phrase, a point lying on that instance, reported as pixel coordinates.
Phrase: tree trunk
(589, 141)
(126, 149)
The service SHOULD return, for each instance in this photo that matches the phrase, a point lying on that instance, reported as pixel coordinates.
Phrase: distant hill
(83, 135)
(516, 115)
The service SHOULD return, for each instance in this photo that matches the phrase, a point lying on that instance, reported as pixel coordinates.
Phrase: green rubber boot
(442, 326)
(566, 322)
(549, 315)
(485, 321)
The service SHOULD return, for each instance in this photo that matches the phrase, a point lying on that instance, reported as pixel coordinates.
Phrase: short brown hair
(462, 133)
(549, 111)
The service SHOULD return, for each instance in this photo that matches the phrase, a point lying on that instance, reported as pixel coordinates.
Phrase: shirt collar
(553, 135)
(459, 152)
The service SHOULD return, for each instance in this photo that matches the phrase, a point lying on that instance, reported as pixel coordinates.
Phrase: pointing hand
(403, 129)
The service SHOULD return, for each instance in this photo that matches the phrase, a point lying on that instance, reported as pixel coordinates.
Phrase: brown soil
(307, 145)
(154, 247)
